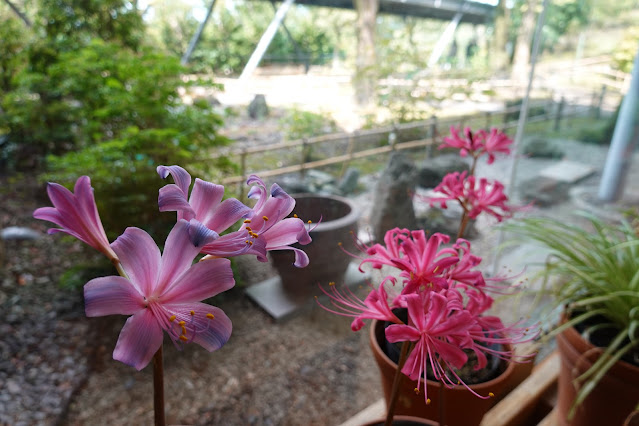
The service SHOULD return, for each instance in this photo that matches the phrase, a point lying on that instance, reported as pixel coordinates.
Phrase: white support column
(266, 39)
(624, 139)
(444, 40)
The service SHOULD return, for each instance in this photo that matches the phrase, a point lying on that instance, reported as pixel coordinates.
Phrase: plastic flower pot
(461, 407)
(611, 401)
(327, 261)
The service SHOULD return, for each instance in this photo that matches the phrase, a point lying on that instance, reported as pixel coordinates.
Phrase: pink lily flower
(265, 226)
(495, 142)
(432, 325)
(269, 226)
(76, 214)
(478, 144)
(375, 306)
(467, 144)
(421, 260)
(163, 292)
(474, 196)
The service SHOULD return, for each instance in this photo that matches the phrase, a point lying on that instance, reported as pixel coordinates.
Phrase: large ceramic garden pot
(611, 401)
(328, 262)
(460, 407)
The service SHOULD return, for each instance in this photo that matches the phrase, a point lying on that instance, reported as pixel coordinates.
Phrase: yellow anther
(247, 221)
(428, 401)
(264, 217)
(339, 244)
(210, 316)
(436, 268)
(331, 283)
(490, 394)
(184, 338)
(250, 243)
(295, 216)
(182, 323)
(309, 222)
(416, 390)
(172, 318)
(248, 228)
(183, 330)
(192, 313)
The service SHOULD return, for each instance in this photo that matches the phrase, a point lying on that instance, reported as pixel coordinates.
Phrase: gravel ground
(56, 365)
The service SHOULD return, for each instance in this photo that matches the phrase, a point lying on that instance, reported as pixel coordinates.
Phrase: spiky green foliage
(597, 271)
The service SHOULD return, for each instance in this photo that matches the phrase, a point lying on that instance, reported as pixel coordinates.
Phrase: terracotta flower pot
(461, 407)
(327, 261)
(611, 401)
(403, 421)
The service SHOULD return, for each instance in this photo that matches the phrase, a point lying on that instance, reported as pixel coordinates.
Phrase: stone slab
(567, 171)
(270, 295)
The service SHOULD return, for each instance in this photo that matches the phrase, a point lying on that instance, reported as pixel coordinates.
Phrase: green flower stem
(396, 382)
(158, 388)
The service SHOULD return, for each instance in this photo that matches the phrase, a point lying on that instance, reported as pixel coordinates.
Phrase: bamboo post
(349, 152)
(560, 110)
(392, 137)
(600, 102)
(303, 158)
(242, 172)
(433, 135)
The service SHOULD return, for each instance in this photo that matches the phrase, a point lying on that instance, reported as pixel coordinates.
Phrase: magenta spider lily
(474, 196)
(375, 306)
(76, 214)
(435, 328)
(162, 292)
(478, 143)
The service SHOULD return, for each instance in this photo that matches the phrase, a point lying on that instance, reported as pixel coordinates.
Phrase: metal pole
(523, 116)
(266, 39)
(197, 35)
(623, 139)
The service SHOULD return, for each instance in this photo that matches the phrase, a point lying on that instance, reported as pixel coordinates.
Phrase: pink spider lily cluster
(163, 292)
(445, 295)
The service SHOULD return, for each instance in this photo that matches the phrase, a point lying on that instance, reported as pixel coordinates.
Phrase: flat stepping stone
(567, 171)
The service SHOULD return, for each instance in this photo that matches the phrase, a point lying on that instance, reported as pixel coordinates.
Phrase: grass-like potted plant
(593, 273)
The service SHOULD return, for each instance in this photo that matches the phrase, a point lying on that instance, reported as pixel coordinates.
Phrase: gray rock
(543, 191)
(319, 179)
(541, 148)
(439, 220)
(431, 173)
(258, 108)
(348, 184)
(393, 204)
(18, 233)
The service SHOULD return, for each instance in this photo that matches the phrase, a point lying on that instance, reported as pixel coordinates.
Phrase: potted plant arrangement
(433, 302)
(163, 292)
(595, 272)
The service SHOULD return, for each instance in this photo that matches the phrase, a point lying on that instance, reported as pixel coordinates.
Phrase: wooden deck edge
(518, 406)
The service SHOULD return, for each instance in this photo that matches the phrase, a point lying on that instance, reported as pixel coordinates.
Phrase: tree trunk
(500, 56)
(524, 41)
(365, 74)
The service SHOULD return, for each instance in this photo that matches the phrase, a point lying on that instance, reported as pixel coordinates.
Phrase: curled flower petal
(76, 214)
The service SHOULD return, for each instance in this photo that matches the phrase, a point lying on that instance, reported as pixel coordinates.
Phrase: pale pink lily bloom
(269, 226)
(162, 293)
(256, 235)
(474, 195)
(77, 215)
(206, 206)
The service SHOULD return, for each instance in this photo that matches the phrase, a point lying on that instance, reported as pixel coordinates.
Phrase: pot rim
(330, 225)
(478, 386)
